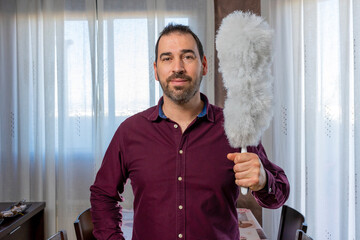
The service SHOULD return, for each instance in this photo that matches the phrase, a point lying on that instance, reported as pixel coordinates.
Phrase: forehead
(176, 41)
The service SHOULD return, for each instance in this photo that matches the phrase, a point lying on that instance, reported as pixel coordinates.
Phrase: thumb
(231, 156)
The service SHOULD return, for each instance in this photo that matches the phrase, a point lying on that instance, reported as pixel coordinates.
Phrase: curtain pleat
(315, 131)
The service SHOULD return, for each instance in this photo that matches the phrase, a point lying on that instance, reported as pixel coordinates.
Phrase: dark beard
(180, 95)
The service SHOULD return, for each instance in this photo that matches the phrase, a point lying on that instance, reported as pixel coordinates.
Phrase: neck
(183, 114)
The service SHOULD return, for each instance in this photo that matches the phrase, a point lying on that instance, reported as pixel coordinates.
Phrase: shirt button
(180, 207)
(180, 235)
(180, 178)
(176, 126)
(181, 151)
(270, 190)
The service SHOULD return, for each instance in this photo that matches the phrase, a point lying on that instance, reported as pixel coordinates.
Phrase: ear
(155, 72)
(204, 66)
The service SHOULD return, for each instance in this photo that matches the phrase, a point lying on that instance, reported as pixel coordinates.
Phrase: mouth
(179, 81)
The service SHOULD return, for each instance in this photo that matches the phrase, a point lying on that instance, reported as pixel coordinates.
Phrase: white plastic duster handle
(244, 190)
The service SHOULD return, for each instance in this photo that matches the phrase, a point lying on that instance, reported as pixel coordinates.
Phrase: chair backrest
(60, 235)
(301, 235)
(84, 226)
(290, 221)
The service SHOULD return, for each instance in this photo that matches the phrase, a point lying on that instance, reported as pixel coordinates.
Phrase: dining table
(249, 227)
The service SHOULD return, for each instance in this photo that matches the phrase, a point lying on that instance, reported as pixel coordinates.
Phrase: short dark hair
(171, 28)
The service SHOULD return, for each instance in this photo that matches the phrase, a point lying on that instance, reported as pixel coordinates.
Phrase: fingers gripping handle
(244, 190)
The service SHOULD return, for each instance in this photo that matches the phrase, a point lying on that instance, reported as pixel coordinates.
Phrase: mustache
(178, 75)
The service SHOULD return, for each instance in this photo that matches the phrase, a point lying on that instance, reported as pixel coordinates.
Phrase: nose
(178, 66)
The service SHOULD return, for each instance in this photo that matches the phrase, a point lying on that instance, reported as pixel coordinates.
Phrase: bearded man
(176, 155)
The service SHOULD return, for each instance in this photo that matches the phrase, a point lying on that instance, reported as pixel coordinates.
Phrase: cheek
(196, 70)
(159, 75)
(163, 71)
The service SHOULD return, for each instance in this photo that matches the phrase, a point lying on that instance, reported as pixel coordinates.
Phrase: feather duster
(244, 47)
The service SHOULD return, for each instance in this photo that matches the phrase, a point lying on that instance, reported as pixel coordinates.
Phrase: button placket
(180, 187)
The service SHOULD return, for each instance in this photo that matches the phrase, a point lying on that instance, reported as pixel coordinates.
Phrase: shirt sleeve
(105, 193)
(277, 188)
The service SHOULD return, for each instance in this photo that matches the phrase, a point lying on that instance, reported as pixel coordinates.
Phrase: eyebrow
(182, 51)
(188, 51)
(165, 54)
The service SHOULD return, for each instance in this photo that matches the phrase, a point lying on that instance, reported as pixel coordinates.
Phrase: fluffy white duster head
(244, 47)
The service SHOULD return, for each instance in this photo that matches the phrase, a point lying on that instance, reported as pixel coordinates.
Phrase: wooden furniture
(223, 8)
(248, 201)
(24, 227)
(84, 226)
(290, 221)
(60, 235)
(301, 235)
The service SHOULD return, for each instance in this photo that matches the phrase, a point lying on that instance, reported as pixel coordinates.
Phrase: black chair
(60, 235)
(301, 235)
(84, 226)
(290, 221)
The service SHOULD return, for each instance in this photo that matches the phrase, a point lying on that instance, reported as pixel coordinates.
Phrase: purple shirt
(184, 185)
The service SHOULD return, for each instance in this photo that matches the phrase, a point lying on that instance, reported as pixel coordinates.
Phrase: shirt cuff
(269, 186)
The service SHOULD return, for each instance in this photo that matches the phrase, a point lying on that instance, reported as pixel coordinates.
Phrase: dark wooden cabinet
(25, 227)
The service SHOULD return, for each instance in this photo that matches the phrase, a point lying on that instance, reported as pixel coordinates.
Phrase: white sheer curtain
(315, 134)
(70, 72)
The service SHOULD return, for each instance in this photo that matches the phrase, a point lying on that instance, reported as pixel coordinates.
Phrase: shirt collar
(206, 111)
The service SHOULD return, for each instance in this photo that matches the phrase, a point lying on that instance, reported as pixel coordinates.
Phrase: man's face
(179, 68)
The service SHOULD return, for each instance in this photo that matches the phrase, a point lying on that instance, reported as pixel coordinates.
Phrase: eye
(189, 57)
(165, 59)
